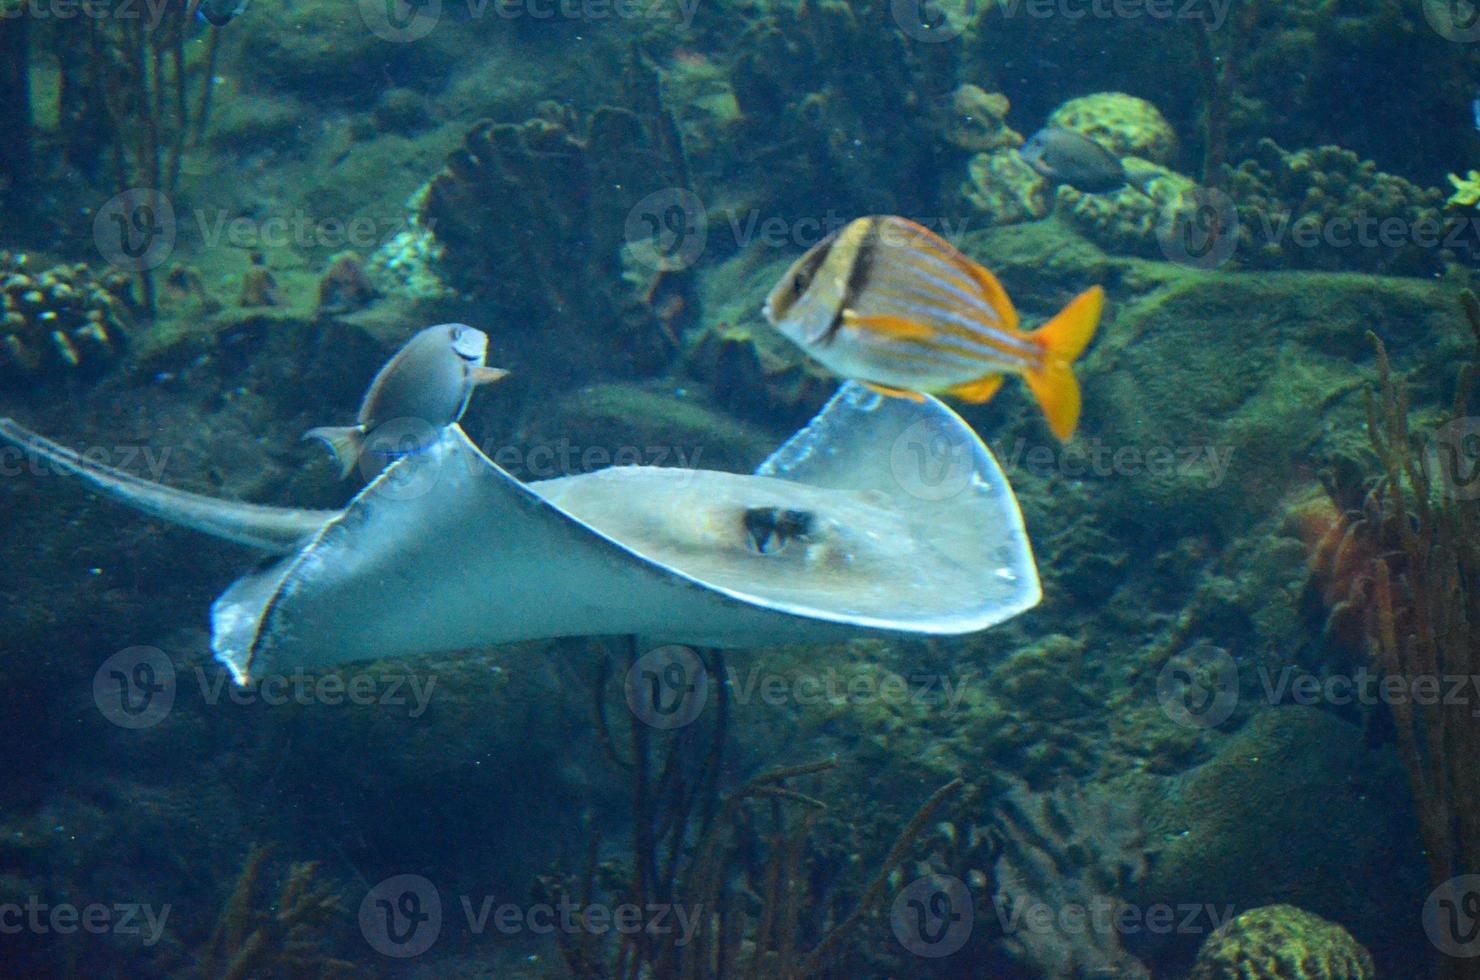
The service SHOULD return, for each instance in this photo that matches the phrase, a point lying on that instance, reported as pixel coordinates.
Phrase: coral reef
(1131, 221)
(1281, 942)
(840, 89)
(59, 321)
(557, 197)
(248, 941)
(1004, 188)
(1069, 848)
(976, 120)
(1326, 208)
(1466, 189)
(768, 897)
(1124, 124)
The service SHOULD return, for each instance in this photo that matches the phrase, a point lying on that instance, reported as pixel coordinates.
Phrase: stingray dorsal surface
(882, 515)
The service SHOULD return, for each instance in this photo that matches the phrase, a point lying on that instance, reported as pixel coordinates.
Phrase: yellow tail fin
(1063, 339)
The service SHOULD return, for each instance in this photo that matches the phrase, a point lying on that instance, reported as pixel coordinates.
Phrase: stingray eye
(769, 530)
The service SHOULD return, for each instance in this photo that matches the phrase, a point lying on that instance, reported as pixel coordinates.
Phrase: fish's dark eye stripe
(858, 277)
(802, 278)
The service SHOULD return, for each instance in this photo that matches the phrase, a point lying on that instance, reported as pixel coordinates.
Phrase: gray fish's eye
(467, 343)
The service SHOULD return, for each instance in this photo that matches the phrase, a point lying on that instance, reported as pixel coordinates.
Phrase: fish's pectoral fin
(980, 390)
(343, 441)
(913, 396)
(488, 375)
(896, 327)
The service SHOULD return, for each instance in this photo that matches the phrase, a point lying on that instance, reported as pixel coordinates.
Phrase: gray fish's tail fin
(274, 529)
(343, 441)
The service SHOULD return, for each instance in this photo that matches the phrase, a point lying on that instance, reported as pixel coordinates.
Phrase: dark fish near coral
(419, 392)
(891, 304)
(1066, 157)
(217, 13)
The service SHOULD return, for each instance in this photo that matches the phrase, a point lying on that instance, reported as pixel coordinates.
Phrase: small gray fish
(1066, 157)
(217, 13)
(419, 392)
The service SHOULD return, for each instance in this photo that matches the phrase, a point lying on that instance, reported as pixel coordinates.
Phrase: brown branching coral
(1425, 616)
(744, 865)
(283, 940)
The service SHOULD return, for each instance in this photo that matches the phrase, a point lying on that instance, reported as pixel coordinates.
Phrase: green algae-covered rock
(1237, 830)
(1282, 942)
(617, 425)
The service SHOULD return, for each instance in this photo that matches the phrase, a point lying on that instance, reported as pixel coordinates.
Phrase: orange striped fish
(889, 303)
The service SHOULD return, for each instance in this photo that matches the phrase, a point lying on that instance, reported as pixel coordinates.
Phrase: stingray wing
(445, 551)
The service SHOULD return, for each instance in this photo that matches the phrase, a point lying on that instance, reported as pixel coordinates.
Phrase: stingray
(882, 516)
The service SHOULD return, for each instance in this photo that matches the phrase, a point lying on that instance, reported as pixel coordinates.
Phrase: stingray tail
(343, 441)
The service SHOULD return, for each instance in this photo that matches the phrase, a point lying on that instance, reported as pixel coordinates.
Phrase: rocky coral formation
(1282, 942)
(560, 198)
(1132, 221)
(60, 320)
(840, 89)
(1236, 829)
(1004, 188)
(1068, 849)
(976, 120)
(1326, 208)
(1124, 124)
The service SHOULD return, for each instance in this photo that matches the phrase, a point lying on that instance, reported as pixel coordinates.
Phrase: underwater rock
(65, 320)
(1326, 208)
(1239, 828)
(346, 59)
(1282, 942)
(1123, 124)
(1223, 384)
